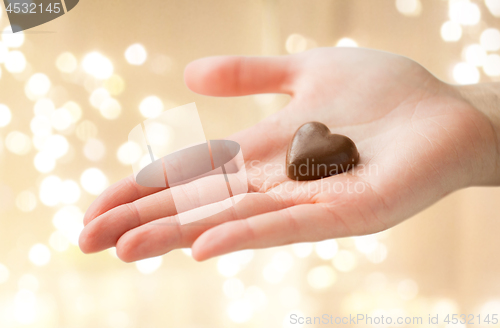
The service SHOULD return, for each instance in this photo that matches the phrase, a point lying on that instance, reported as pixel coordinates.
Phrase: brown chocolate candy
(315, 153)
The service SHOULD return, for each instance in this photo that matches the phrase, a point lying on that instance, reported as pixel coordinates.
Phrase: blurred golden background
(72, 89)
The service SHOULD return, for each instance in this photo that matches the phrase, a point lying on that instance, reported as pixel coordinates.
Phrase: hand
(421, 138)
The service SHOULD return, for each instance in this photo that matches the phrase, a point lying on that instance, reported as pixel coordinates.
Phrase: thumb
(238, 76)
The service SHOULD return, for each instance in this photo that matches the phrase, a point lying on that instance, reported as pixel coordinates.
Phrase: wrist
(486, 99)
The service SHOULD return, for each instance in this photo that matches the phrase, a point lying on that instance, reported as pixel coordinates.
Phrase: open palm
(418, 140)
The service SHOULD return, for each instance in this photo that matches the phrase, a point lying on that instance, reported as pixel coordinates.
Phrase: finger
(181, 165)
(105, 230)
(122, 192)
(300, 223)
(161, 236)
(238, 75)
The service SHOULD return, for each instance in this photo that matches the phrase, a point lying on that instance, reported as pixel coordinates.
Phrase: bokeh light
(110, 108)
(327, 249)
(444, 306)
(302, 250)
(15, 62)
(464, 12)
(41, 126)
(38, 84)
(67, 62)
(366, 244)
(39, 255)
(44, 107)
(378, 255)
(233, 288)
(74, 110)
(256, 296)
(272, 274)
(3, 52)
(94, 181)
(18, 143)
(489, 307)
(29, 282)
(94, 150)
(451, 31)
(282, 261)
(5, 115)
(49, 193)
(493, 6)
(69, 222)
(115, 85)
(98, 66)
(70, 192)
(39, 141)
(344, 261)
(347, 42)
(58, 241)
(98, 97)
(44, 162)
(61, 119)
(86, 130)
(240, 311)
(158, 134)
(465, 73)
(230, 264)
(26, 201)
(12, 40)
(151, 106)
(475, 55)
(4, 273)
(150, 265)
(321, 277)
(136, 54)
(407, 289)
(409, 7)
(490, 39)
(491, 65)
(226, 267)
(187, 251)
(56, 146)
(296, 43)
(129, 153)
(112, 252)
(25, 306)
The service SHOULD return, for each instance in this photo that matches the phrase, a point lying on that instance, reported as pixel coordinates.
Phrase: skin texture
(423, 138)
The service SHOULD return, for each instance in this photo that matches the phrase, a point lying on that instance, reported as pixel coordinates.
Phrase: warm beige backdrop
(446, 259)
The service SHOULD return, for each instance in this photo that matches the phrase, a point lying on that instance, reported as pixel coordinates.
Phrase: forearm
(486, 98)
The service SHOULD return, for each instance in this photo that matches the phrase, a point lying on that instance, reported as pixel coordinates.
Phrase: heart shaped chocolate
(315, 153)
